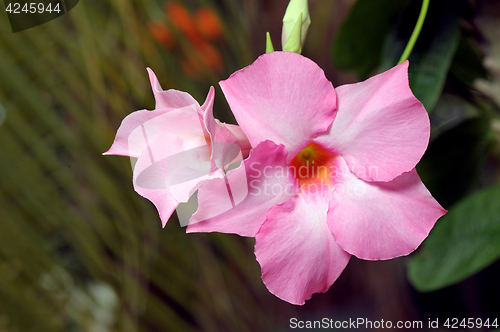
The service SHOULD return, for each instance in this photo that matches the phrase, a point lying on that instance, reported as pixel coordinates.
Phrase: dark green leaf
(463, 242)
(358, 44)
(449, 112)
(467, 64)
(450, 165)
(433, 53)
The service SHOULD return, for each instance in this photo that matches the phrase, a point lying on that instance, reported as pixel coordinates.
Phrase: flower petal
(140, 128)
(171, 169)
(381, 220)
(296, 250)
(131, 126)
(381, 129)
(217, 196)
(241, 139)
(220, 134)
(209, 101)
(150, 179)
(283, 97)
(264, 172)
(176, 113)
(169, 99)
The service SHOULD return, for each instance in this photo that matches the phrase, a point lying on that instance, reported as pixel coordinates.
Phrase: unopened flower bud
(295, 24)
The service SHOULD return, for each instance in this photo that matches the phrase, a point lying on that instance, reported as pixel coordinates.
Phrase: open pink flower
(331, 173)
(176, 146)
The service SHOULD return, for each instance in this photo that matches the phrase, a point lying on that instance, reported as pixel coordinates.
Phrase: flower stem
(416, 31)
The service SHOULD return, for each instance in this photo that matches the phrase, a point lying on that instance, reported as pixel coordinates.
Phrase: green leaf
(463, 242)
(432, 56)
(451, 163)
(467, 64)
(358, 44)
(450, 111)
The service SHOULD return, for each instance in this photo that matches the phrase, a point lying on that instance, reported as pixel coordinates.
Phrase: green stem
(416, 31)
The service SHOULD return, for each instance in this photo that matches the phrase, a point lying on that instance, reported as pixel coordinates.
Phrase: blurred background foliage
(81, 251)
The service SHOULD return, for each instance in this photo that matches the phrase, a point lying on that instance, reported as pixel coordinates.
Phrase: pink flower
(331, 173)
(176, 147)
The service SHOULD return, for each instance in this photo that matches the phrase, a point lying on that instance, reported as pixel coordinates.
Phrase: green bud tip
(269, 43)
(294, 9)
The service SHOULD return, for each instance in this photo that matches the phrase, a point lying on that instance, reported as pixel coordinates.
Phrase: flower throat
(311, 166)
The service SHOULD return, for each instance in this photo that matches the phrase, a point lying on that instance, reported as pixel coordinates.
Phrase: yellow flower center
(311, 167)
